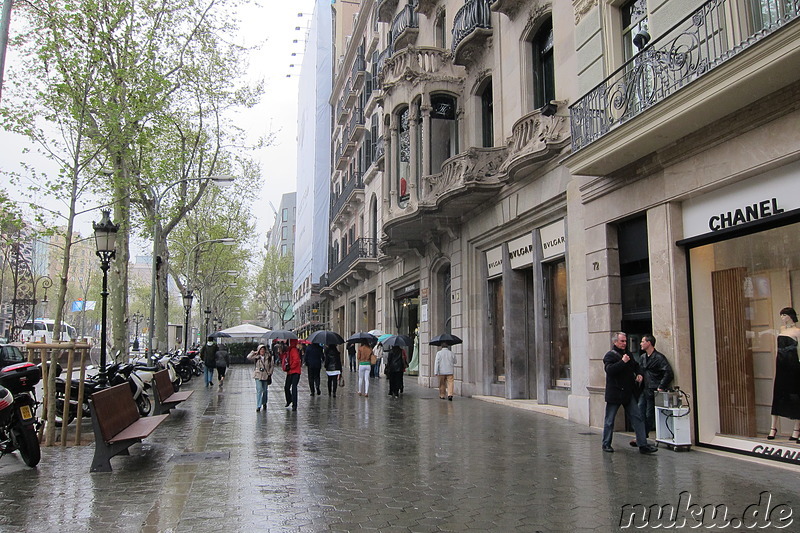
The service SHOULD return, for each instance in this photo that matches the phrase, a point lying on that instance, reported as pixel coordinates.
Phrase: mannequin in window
(786, 387)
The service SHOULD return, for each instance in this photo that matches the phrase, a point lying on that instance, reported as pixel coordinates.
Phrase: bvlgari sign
(520, 251)
(757, 198)
(553, 239)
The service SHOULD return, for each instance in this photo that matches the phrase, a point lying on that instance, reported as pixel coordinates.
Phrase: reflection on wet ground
(350, 463)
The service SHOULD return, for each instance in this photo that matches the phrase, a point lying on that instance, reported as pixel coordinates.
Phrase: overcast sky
(272, 24)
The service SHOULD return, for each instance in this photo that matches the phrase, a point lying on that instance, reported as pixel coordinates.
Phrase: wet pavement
(413, 464)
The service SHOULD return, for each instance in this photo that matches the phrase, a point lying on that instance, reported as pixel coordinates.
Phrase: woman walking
(222, 363)
(333, 368)
(262, 374)
(365, 358)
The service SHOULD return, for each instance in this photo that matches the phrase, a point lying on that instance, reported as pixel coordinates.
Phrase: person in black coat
(395, 366)
(314, 364)
(657, 374)
(333, 368)
(622, 377)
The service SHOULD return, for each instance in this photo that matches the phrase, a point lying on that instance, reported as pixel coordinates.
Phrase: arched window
(373, 220)
(487, 115)
(403, 155)
(544, 79)
(444, 130)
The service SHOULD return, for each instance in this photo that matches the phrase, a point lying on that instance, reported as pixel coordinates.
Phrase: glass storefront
(738, 287)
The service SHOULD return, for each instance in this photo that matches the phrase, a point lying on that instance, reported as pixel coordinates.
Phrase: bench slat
(139, 429)
(177, 397)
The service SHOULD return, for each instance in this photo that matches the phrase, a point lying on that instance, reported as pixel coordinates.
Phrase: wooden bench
(164, 395)
(117, 424)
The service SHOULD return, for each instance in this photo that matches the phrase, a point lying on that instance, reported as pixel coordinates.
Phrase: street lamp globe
(105, 233)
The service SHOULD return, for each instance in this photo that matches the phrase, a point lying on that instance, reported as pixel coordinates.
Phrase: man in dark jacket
(314, 363)
(657, 374)
(622, 376)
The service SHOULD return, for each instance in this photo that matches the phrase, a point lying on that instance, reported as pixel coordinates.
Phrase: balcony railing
(362, 248)
(381, 62)
(716, 32)
(356, 125)
(405, 21)
(359, 66)
(473, 15)
(338, 202)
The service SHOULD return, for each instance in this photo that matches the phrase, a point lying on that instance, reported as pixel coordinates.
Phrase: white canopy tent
(245, 331)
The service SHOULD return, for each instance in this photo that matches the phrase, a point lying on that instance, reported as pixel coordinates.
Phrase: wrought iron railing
(472, 15)
(356, 120)
(380, 146)
(384, 55)
(359, 65)
(716, 32)
(407, 18)
(355, 182)
(360, 249)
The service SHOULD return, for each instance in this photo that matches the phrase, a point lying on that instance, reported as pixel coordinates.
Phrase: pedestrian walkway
(413, 464)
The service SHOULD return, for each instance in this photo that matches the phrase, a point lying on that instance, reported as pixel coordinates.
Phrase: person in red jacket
(292, 366)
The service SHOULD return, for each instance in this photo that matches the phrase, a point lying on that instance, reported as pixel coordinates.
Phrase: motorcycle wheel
(59, 410)
(185, 373)
(144, 404)
(28, 445)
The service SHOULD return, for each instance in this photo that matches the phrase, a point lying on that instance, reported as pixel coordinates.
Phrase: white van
(43, 327)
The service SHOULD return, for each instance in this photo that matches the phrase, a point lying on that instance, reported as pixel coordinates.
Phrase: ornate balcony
(535, 140)
(383, 57)
(467, 181)
(359, 68)
(386, 9)
(341, 113)
(716, 61)
(414, 64)
(348, 200)
(349, 94)
(405, 27)
(472, 27)
(356, 126)
(360, 261)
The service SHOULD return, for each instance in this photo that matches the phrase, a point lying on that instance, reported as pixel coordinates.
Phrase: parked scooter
(18, 421)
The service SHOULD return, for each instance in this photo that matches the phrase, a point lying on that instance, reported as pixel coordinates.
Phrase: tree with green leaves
(274, 285)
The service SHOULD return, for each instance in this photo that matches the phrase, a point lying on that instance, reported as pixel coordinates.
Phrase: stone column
(413, 178)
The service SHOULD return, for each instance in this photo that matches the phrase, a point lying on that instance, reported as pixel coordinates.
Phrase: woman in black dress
(786, 387)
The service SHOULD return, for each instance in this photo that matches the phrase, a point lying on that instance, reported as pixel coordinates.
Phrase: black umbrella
(362, 337)
(325, 337)
(219, 334)
(397, 340)
(445, 338)
(276, 334)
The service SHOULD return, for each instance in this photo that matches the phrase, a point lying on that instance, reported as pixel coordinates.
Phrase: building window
(487, 115)
(634, 22)
(440, 31)
(284, 233)
(284, 250)
(285, 214)
(555, 275)
(634, 268)
(544, 79)
(497, 353)
(403, 156)
(738, 288)
(444, 130)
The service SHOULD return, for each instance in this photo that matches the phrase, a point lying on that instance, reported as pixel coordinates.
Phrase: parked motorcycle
(18, 421)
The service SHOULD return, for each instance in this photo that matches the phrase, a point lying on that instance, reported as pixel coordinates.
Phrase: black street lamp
(105, 234)
(187, 305)
(207, 312)
(216, 323)
(137, 317)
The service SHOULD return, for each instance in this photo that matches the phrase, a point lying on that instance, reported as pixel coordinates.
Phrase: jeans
(209, 376)
(313, 380)
(633, 414)
(290, 389)
(363, 378)
(647, 407)
(261, 393)
(353, 365)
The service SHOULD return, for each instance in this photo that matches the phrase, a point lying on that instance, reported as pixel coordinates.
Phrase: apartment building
(534, 176)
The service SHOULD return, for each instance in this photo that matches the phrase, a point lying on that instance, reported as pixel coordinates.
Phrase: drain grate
(199, 457)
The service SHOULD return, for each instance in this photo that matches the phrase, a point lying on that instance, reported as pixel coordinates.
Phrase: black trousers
(313, 380)
(395, 382)
(290, 389)
(333, 384)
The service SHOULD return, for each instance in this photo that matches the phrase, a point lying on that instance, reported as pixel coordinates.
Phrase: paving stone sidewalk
(414, 464)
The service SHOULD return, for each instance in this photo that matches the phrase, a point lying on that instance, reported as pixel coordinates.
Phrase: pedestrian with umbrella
(314, 358)
(293, 366)
(333, 368)
(365, 359)
(444, 364)
(208, 354)
(395, 363)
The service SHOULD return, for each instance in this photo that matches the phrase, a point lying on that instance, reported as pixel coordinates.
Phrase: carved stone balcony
(386, 10)
(413, 65)
(348, 201)
(467, 181)
(716, 61)
(360, 261)
(535, 140)
(472, 28)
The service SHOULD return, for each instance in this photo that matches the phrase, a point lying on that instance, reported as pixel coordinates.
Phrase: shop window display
(741, 289)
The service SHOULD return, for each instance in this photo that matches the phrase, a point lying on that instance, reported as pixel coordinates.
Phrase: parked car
(43, 328)
(10, 354)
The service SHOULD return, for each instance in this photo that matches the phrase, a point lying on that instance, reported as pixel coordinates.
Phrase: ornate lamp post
(105, 233)
(216, 323)
(207, 312)
(187, 305)
(137, 318)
